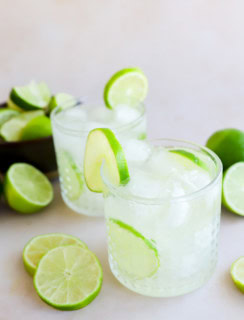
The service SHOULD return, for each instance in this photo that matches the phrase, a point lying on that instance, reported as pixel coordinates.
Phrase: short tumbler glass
(183, 232)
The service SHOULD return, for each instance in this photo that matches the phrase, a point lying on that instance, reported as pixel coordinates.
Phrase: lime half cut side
(40, 245)
(133, 253)
(103, 146)
(31, 97)
(68, 277)
(233, 188)
(70, 176)
(126, 87)
(237, 273)
(26, 189)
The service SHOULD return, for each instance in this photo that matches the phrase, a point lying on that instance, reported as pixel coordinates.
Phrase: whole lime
(228, 144)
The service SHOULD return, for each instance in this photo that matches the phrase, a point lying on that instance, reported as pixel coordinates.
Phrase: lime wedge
(6, 114)
(71, 176)
(39, 127)
(12, 129)
(190, 156)
(102, 145)
(133, 253)
(126, 87)
(233, 188)
(40, 245)
(68, 277)
(26, 189)
(31, 97)
(237, 273)
(13, 106)
(63, 100)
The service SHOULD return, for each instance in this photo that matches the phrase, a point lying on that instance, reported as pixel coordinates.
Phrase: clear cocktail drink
(163, 225)
(70, 129)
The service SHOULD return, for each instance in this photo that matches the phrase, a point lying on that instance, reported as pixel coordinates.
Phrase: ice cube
(136, 151)
(125, 114)
(72, 118)
(101, 114)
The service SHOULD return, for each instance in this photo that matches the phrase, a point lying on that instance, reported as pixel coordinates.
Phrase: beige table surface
(192, 52)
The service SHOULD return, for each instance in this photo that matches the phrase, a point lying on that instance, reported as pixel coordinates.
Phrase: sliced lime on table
(31, 97)
(40, 245)
(228, 144)
(70, 175)
(233, 188)
(68, 277)
(133, 253)
(237, 273)
(6, 114)
(26, 189)
(63, 100)
(12, 129)
(39, 127)
(102, 145)
(126, 87)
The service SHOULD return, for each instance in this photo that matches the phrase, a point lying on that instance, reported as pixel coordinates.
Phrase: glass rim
(77, 132)
(159, 200)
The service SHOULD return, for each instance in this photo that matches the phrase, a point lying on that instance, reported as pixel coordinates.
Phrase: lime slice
(237, 273)
(63, 100)
(133, 253)
(26, 189)
(228, 144)
(40, 245)
(39, 127)
(6, 114)
(31, 97)
(126, 87)
(12, 129)
(70, 176)
(102, 145)
(233, 188)
(68, 277)
(190, 156)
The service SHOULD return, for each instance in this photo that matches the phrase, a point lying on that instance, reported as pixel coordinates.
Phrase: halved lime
(68, 277)
(228, 144)
(102, 145)
(6, 114)
(237, 273)
(190, 156)
(39, 127)
(126, 87)
(12, 129)
(32, 96)
(40, 245)
(27, 189)
(233, 188)
(70, 176)
(63, 100)
(133, 253)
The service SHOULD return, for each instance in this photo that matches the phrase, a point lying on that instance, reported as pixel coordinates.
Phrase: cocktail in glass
(163, 225)
(70, 129)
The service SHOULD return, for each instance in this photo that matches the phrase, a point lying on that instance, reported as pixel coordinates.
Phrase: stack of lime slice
(67, 275)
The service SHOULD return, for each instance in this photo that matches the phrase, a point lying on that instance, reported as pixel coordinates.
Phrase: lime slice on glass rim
(68, 277)
(126, 87)
(40, 245)
(237, 273)
(12, 129)
(6, 114)
(63, 100)
(233, 188)
(32, 96)
(70, 175)
(27, 189)
(133, 253)
(102, 145)
(190, 156)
